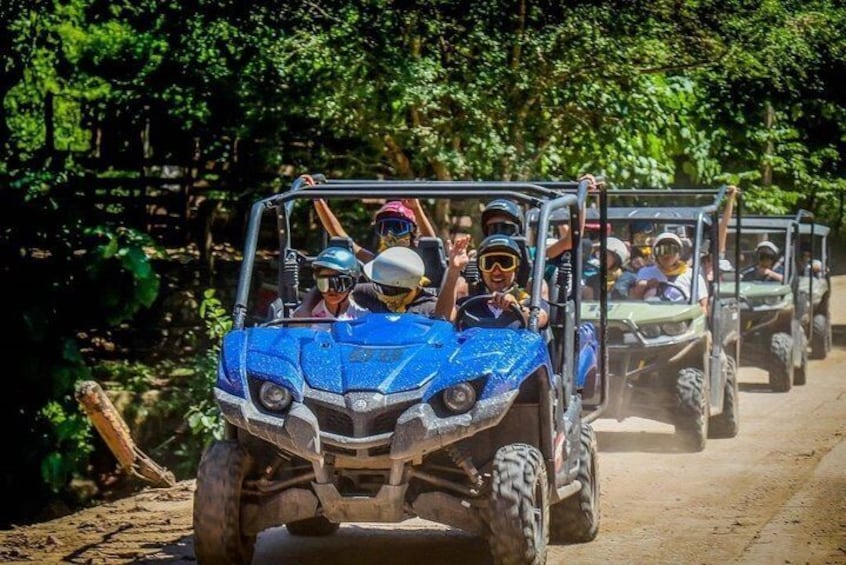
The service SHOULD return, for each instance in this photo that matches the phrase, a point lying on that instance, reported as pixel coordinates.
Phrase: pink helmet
(397, 209)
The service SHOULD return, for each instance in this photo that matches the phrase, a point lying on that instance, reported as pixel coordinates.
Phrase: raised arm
(333, 228)
(423, 223)
(565, 234)
(722, 233)
(458, 259)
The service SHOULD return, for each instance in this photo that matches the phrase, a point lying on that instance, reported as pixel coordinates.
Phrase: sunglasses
(667, 249)
(504, 261)
(334, 283)
(502, 228)
(394, 226)
(769, 256)
(386, 290)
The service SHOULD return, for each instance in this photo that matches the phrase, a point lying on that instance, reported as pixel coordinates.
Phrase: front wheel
(218, 536)
(781, 363)
(576, 519)
(692, 409)
(727, 423)
(519, 512)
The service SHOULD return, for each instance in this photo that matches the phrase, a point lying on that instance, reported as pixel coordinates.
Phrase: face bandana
(390, 240)
(399, 302)
(678, 269)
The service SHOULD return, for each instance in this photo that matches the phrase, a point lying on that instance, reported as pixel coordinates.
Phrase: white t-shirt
(684, 281)
(353, 311)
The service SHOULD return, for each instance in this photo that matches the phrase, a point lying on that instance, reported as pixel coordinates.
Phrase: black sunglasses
(334, 283)
(386, 290)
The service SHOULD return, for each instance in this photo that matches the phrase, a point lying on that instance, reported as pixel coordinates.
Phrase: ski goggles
(334, 283)
(502, 228)
(390, 291)
(667, 249)
(393, 226)
(505, 261)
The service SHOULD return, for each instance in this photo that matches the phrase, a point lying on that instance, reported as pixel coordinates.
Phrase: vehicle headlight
(651, 330)
(459, 398)
(772, 300)
(274, 397)
(674, 328)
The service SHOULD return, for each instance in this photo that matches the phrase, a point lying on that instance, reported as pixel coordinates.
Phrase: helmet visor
(334, 283)
(393, 226)
(386, 290)
(667, 249)
(502, 228)
(504, 261)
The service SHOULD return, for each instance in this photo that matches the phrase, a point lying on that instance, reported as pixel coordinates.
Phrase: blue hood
(385, 353)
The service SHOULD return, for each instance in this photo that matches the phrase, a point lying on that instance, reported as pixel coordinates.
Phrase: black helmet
(499, 242)
(505, 207)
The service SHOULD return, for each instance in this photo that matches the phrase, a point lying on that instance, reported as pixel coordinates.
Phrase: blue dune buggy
(395, 416)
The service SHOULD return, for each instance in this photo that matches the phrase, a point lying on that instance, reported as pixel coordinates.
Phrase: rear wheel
(821, 340)
(519, 517)
(692, 409)
(317, 526)
(727, 423)
(218, 537)
(576, 519)
(781, 364)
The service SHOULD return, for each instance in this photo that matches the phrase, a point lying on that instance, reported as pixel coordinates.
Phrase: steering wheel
(464, 319)
(663, 292)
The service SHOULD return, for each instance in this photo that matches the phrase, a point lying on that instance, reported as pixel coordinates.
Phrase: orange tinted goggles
(504, 261)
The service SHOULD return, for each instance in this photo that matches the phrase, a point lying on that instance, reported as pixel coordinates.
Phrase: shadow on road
(838, 334)
(649, 442)
(755, 387)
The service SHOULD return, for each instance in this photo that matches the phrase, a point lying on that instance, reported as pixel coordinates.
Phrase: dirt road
(774, 494)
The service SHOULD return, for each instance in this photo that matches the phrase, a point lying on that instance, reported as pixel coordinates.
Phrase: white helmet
(768, 245)
(396, 266)
(618, 248)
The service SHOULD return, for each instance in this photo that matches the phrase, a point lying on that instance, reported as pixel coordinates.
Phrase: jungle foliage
(647, 93)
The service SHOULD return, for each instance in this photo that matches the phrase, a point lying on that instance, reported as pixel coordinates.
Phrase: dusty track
(774, 494)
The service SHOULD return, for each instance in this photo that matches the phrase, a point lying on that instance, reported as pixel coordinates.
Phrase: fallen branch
(114, 431)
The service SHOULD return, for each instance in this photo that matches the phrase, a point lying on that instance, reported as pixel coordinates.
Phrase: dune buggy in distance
(775, 315)
(669, 360)
(393, 416)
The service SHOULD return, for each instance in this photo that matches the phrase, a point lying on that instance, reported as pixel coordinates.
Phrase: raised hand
(457, 256)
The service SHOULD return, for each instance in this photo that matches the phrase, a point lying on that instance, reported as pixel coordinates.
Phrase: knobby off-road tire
(218, 538)
(519, 517)
(317, 526)
(727, 424)
(821, 340)
(692, 409)
(576, 519)
(781, 364)
(800, 373)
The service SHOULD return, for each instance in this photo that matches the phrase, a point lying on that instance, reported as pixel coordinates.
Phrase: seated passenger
(498, 258)
(768, 268)
(619, 279)
(669, 268)
(397, 282)
(336, 271)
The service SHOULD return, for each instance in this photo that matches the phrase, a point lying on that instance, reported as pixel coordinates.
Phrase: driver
(768, 268)
(498, 258)
(669, 267)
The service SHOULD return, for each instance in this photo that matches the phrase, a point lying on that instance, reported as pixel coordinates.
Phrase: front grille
(340, 421)
(387, 421)
(331, 420)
